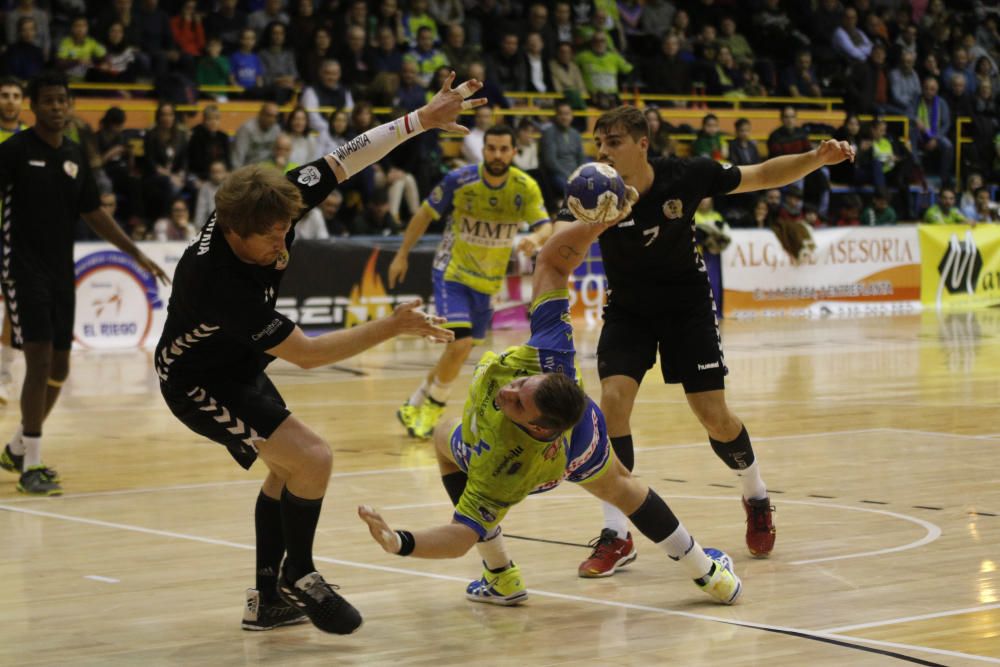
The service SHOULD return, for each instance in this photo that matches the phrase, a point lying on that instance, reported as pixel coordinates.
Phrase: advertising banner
(853, 271)
(118, 304)
(960, 266)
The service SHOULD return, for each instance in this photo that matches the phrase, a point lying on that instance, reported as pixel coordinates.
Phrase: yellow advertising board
(959, 266)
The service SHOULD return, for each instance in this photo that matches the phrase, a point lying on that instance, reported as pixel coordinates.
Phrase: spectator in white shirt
(849, 40)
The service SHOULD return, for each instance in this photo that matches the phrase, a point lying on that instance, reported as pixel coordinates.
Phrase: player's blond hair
(255, 198)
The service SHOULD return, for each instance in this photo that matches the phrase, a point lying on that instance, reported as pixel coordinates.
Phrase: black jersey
(45, 190)
(221, 317)
(650, 259)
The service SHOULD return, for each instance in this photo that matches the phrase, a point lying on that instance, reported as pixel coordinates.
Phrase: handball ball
(595, 193)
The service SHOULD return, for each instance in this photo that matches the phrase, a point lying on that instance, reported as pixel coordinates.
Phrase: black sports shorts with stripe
(237, 415)
(687, 338)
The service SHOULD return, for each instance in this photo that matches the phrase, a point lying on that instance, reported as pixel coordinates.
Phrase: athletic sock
(753, 486)
(270, 545)
(493, 551)
(655, 520)
(17, 441)
(299, 517)
(417, 399)
(32, 451)
(684, 549)
(439, 391)
(615, 519)
(624, 450)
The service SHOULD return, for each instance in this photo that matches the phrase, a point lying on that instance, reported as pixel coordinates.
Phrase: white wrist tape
(366, 149)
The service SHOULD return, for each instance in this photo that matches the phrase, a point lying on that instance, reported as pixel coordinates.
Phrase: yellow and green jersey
(6, 134)
(503, 463)
(484, 220)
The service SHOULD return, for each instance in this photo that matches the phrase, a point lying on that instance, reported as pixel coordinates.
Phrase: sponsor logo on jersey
(71, 168)
(268, 330)
(673, 209)
(488, 516)
(514, 468)
(490, 234)
(309, 176)
(627, 223)
(708, 367)
(36, 163)
(437, 194)
(507, 458)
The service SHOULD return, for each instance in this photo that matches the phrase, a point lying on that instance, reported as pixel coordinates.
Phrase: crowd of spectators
(928, 60)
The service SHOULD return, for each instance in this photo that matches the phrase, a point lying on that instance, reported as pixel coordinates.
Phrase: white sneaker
(721, 583)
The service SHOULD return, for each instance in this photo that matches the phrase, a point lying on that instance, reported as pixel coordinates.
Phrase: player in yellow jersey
(11, 101)
(526, 427)
(486, 203)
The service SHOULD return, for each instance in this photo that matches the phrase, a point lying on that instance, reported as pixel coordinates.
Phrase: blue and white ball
(595, 193)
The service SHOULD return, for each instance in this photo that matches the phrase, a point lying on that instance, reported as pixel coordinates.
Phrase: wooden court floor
(878, 438)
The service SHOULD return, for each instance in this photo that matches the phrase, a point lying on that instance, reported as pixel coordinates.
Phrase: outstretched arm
(448, 541)
(440, 113)
(563, 252)
(330, 348)
(780, 171)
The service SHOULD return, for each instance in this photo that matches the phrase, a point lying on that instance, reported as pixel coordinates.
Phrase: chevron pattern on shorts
(170, 353)
(220, 413)
(5, 274)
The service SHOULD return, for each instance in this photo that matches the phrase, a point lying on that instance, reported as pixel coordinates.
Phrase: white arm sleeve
(368, 148)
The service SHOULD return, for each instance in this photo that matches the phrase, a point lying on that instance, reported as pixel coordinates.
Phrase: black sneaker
(15, 463)
(10, 461)
(36, 482)
(261, 615)
(327, 610)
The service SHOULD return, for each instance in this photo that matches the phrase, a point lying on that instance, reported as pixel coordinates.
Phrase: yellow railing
(960, 124)
(736, 102)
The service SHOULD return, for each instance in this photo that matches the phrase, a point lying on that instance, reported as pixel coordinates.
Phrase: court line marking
(933, 531)
(536, 592)
(907, 619)
(106, 580)
(942, 434)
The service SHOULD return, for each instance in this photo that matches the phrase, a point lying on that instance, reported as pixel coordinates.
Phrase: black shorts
(688, 340)
(41, 310)
(237, 415)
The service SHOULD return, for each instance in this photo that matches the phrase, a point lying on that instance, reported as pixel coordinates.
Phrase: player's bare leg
(437, 387)
(614, 548)
(302, 460)
(501, 582)
(731, 443)
(710, 568)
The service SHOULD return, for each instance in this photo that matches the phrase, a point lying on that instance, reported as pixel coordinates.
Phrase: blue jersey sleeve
(552, 333)
(442, 196)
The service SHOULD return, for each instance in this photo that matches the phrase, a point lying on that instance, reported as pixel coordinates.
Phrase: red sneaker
(760, 529)
(610, 553)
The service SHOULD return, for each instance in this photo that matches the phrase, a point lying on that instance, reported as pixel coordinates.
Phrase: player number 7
(652, 233)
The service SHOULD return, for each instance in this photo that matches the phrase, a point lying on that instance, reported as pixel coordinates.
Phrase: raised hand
(443, 109)
(832, 151)
(407, 318)
(397, 269)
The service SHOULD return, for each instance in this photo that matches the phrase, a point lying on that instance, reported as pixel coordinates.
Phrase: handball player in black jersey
(222, 331)
(659, 300)
(46, 186)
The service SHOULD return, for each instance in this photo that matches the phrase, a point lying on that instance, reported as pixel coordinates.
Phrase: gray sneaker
(37, 482)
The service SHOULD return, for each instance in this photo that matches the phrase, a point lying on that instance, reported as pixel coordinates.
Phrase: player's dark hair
(501, 131)
(561, 402)
(9, 81)
(628, 118)
(47, 79)
(255, 198)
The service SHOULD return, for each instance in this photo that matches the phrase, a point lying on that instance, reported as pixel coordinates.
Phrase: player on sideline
(659, 299)
(222, 330)
(47, 186)
(486, 202)
(527, 426)
(11, 101)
